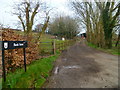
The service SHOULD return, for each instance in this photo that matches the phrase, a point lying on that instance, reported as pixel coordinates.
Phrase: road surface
(83, 67)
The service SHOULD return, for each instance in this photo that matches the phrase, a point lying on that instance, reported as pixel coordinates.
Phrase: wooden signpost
(12, 45)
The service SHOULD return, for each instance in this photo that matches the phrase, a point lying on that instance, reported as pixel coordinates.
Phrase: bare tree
(100, 18)
(26, 12)
(90, 17)
(47, 11)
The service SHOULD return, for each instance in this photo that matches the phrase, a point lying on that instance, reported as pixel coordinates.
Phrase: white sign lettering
(18, 44)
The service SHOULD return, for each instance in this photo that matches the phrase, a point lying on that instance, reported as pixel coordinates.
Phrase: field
(46, 46)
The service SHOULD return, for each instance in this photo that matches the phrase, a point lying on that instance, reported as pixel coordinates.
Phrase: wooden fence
(53, 46)
(64, 45)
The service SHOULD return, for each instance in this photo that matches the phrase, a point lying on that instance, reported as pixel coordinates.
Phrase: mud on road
(83, 67)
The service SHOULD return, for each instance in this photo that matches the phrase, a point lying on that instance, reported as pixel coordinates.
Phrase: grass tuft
(114, 50)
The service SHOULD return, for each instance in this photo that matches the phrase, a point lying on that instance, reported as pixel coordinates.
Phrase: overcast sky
(6, 17)
(6, 7)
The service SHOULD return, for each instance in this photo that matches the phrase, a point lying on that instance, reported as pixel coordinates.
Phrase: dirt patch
(83, 67)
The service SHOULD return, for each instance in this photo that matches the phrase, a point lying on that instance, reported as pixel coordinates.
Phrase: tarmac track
(83, 67)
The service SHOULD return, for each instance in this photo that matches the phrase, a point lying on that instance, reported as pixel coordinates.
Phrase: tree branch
(34, 13)
(22, 22)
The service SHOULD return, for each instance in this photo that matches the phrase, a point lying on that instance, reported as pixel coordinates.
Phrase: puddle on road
(65, 59)
(65, 67)
(71, 67)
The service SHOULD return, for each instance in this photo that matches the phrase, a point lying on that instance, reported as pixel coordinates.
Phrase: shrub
(14, 58)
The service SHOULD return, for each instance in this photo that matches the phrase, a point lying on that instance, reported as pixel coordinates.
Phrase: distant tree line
(64, 26)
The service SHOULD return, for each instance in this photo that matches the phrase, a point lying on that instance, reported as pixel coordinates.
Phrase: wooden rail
(52, 47)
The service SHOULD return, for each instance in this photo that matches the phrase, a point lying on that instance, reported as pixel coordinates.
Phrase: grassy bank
(36, 74)
(114, 50)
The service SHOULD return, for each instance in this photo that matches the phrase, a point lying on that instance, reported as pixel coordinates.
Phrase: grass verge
(114, 50)
(35, 77)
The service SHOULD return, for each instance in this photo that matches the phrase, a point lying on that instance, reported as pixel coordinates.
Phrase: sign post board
(6, 45)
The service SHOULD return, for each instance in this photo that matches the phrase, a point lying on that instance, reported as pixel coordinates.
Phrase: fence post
(24, 58)
(3, 64)
(53, 44)
(63, 46)
(59, 46)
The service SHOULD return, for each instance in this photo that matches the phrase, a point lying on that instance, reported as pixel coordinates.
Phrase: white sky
(6, 17)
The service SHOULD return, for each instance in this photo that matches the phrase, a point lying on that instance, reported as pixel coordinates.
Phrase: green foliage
(109, 16)
(64, 27)
(113, 51)
(35, 76)
(46, 47)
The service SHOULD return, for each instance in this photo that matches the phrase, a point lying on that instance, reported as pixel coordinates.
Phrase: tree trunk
(117, 40)
(108, 42)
